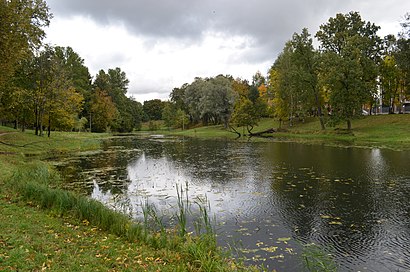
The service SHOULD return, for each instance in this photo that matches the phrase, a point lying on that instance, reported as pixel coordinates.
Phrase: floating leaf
(269, 249)
(325, 216)
(284, 239)
(335, 223)
(277, 257)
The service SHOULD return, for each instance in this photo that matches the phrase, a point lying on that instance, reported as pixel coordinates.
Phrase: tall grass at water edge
(37, 184)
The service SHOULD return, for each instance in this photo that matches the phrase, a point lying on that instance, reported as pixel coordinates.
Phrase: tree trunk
(349, 124)
(37, 123)
(235, 131)
(319, 112)
(49, 125)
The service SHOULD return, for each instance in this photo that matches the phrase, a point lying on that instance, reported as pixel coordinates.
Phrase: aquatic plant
(316, 259)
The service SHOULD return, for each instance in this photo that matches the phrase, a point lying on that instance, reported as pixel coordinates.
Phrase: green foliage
(210, 100)
(21, 31)
(284, 86)
(115, 84)
(245, 114)
(154, 125)
(103, 111)
(351, 54)
(153, 109)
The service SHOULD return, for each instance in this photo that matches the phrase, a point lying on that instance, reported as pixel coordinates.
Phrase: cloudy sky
(162, 44)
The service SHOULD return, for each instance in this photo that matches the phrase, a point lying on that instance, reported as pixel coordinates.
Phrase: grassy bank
(383, 131)
(44, 227)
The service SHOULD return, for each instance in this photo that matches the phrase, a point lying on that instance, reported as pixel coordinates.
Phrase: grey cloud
(270, 23)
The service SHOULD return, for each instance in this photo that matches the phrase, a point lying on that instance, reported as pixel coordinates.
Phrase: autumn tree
(244, 115)
(22, 24)
(114, 83)
(103, 111)
(77, 73)
(283, 86)
(351, 50)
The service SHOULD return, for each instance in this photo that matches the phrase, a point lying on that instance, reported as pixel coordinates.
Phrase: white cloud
(154, 67)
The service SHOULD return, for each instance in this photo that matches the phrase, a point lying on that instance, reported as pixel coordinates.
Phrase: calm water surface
(267, 198)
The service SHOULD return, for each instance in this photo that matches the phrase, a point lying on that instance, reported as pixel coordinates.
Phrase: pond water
(266, 199)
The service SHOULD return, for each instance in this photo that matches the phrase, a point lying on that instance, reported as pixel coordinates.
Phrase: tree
(351, 51)
(168, 114)
(115, 84)
(244, 115)
(306, 60)
(217, 100)
(103, 111)
(390, 78)
(177, 96)
(153, 109)
(21, 31)
(77, 73)
(402, 55)
(192, 96)
(282, 82)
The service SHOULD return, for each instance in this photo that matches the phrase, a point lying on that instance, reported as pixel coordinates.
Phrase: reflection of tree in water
(107, 168)
(329, 196)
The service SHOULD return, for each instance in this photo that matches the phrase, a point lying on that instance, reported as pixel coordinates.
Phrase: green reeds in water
(316, 259)
(183, 209)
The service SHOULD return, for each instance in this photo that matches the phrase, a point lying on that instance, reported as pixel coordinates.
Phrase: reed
(183, 208)
(316, 259)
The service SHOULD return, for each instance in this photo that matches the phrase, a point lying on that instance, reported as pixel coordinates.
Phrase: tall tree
(306, 60)
(283, 85)
(352, 51)
(402, 55)
(21, 31)
(217, 100)
(115, 84)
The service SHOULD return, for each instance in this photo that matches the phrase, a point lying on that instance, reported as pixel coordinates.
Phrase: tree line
(49, 87)
(352, 72)
(353, 69)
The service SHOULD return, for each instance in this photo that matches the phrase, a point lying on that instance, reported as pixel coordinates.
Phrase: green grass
(26, 143)
(384, 131)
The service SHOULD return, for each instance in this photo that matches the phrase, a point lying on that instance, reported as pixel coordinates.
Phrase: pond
(267, 200)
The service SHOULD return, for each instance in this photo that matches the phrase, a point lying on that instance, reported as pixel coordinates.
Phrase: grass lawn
(384, 131)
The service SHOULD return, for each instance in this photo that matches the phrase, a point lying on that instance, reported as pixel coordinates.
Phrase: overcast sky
(162, 44)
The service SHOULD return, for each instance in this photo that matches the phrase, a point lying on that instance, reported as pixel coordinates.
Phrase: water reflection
(270, 197)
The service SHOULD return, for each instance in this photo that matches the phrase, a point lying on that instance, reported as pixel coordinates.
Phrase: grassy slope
(386, 131)
(33, 239)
